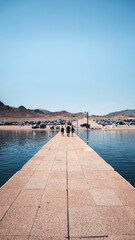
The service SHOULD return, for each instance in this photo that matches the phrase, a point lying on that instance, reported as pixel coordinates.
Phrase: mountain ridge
(127, 113)
(21, 111)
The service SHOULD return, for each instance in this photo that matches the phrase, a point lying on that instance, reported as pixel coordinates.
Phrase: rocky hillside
(126, 113)
(22, 112)
(66, 114)
(7, 111)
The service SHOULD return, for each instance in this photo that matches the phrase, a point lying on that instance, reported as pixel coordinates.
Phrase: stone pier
(67, 191)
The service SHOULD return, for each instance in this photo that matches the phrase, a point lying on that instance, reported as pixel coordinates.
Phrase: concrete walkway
(67, 191)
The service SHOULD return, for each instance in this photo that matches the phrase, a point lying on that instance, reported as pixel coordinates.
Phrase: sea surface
(17, 147)
(117, 148)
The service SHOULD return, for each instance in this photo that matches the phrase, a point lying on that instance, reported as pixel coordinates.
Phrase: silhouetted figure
(62, 131)
(68, 131)
(72, 130)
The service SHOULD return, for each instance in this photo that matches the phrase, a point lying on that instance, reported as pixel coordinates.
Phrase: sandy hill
(7, 111)
(22, 112)
(125, 113)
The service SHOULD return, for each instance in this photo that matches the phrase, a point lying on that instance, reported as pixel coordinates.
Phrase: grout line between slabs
(67, 194)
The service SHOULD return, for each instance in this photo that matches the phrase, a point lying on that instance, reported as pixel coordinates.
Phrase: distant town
(38, 118)
(55, 124)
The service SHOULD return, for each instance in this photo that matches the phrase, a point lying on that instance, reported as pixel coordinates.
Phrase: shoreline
(93, 128)
(25, 128)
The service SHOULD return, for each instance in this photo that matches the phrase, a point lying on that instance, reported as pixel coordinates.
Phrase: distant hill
(22, 112)
(66, 114)
(43, 111)
(126, 113)
(7, 111)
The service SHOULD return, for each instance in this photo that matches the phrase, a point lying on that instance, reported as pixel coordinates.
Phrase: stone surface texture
(67, 191)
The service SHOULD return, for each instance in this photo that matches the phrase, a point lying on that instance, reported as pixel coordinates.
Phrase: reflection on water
(17, 147)
(117, 148)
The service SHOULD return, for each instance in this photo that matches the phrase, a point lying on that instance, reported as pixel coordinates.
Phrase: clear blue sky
(74, 55)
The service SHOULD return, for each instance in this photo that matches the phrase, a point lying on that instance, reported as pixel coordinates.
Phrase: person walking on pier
(72, 130)
(68, 130)
(62, 131)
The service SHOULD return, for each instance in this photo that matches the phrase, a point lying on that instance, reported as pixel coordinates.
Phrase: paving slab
(67, 191)
(93, 174)
(7, 237)
(60, 162)
(126, 197)
(16, 183)
(44, 167)
(73, 162)
(3, 210)
(14, 237)
(99, 183)
(85, 222)
(58, 167)
(77, 184)
(18, 221)
(30, 165)
(121, 237)
(50, 222)
(56, 184)
(60, 155)
(21, 237)
(25, 172)
(116, 181)
(41, 174)
(74, 168)
(117, 220)
(75, 174)
(28, 197)
(101, 166)
(37, 158)
(36, 183)
(90, 238)
(46, 238)
(33, 162)
(131, 210)
(58, 174)
(105, 197)
(55, 199)
(78, 198)
(7, 196)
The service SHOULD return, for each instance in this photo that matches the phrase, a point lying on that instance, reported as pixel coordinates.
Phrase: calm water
(115, 147)
(17, 147)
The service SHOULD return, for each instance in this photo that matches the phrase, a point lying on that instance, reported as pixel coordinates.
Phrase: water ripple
(17, 147)
(117, 148)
